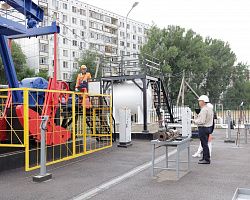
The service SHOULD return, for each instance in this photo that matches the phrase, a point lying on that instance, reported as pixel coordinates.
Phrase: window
(122, 34)
(75, 65)
(108, 49)
(65, 30)
(95, 25)
(134, 55)
(139, 29)
(65, 6)
(134, 37)
(134, 29)
(65, 76)
(82, 12)
(95, 15)
(128, 53)
(74, 20)
(121, 43)
(74, 54)
(114, 21)
(139, 46)
(134, 46)
(139, 40)
(65, 64)
(128, 26)
(73, 9)
(65, 18)
(113, 40)
(82, 45)
(56, 15)
(82, 33)
(107, 19)
(82, 22)
(43, 60)
(122, 53)
(44, 37)
(65, 41)
(44, 48)
(128, 44)
(128, 35)
(65, 53)
(74, 43)
(54, 3)
(122, 24)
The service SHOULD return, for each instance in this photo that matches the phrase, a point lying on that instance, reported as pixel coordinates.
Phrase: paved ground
(230, 168)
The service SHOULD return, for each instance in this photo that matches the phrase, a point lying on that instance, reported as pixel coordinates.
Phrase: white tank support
(124, 127)
(186, 121)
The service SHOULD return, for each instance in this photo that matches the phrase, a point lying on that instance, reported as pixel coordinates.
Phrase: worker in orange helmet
(82, 80)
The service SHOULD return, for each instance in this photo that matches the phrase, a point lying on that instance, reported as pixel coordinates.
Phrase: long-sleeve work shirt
(205, 117)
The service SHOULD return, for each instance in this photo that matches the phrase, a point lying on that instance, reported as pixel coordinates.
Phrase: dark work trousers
(203, 134)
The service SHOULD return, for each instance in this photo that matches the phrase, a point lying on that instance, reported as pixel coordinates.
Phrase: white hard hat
(210, 105)
(204, 98)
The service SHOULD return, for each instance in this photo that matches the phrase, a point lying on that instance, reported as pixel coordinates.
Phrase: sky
(228, 20)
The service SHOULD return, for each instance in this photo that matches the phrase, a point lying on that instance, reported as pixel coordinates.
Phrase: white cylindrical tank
(129, 95)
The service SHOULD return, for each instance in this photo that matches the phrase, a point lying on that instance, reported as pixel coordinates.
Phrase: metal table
(180, 146)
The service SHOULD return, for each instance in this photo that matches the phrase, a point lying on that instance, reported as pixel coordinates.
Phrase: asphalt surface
(229, 169)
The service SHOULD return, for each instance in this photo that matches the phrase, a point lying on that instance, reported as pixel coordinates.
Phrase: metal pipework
(169, 134)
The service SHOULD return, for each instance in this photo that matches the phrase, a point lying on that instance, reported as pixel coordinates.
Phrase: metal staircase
(161, 101)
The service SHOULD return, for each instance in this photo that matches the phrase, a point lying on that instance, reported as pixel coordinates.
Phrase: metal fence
(78, 124)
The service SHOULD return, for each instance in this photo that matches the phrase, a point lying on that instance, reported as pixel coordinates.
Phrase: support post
(55, 61)
(9, 69)
(43, 176)
(229, 121)
(183, 90)
(145, 107)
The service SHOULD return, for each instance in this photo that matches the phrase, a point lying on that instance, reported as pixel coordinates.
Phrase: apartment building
(83, 26)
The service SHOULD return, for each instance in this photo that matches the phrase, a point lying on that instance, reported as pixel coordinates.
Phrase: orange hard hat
(83, 67)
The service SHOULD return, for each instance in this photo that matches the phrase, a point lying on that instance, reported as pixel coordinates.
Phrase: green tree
(21, 67)
(239, 88)
(206, 62)
(218, 76)
(89, 59)
(43, 73)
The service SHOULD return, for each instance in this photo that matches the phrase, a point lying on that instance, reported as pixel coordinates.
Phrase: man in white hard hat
(200, 150)
(204, 122)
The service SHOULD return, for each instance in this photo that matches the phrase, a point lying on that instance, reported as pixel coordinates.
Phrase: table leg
(153, 158)
(166, 156)
(177, 162)
(188, 157)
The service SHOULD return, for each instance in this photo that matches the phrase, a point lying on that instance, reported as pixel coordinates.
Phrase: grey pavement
(230, 168)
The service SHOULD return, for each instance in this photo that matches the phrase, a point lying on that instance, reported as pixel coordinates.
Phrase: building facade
(83, 26)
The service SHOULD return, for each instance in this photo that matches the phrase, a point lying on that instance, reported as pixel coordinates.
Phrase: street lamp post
(134, 5)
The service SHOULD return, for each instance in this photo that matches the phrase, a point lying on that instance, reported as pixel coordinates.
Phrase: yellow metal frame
(84, 136)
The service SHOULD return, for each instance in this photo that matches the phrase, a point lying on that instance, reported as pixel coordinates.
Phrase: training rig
(48, 103)
(144, 68)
